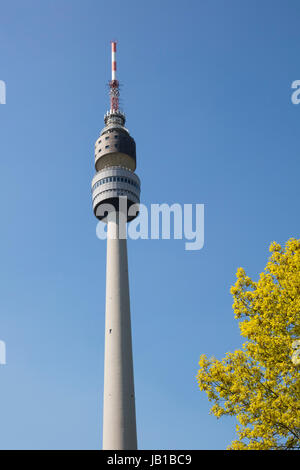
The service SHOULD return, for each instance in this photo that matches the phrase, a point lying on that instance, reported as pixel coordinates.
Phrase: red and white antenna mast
(114, 84)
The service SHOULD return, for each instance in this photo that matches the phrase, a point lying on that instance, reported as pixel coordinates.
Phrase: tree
(259, 384)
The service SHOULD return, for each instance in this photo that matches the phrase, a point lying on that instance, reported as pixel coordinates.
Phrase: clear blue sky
(206, 90)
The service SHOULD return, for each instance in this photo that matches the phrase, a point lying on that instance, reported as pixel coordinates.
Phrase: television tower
(114, 186)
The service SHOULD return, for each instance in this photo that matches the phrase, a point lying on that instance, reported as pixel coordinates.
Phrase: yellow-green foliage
(260, 384)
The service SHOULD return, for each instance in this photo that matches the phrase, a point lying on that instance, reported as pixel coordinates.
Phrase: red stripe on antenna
(114, 47)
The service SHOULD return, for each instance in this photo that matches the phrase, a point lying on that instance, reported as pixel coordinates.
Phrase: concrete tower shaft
(119, 421)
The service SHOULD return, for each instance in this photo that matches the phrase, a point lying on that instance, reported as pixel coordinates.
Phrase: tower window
(107, 137)
(106, 146)
(116, 136)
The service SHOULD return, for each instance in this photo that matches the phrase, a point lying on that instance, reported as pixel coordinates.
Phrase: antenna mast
(114, 83)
